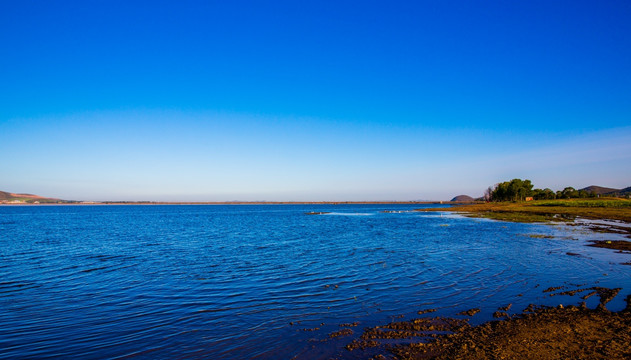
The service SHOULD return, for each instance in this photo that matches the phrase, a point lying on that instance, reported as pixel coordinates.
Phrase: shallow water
(265, 282)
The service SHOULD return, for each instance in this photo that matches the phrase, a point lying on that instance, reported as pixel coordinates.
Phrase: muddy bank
(571, 332)
(622, 246)
(550, 333)
(597, 219)
(536, 212)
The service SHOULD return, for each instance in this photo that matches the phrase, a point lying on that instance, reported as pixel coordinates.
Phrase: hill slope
(600, 190)
(625, 192)
(462, 198)
(26, 198)
(4, 195)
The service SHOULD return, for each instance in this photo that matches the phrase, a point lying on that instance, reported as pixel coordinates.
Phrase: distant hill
(599, 190)
(625, 192)
(4, 195)
(25, 198)
(462, 198)
(605, 191)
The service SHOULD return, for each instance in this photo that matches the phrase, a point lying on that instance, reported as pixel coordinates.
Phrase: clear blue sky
(297, 100)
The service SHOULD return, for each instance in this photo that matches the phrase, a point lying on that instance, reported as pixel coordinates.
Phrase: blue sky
(230, 100)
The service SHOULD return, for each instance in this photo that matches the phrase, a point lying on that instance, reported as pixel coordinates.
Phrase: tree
(514, 190)
(548, 194)
(488, 194)
(569, 192)
(545, 194)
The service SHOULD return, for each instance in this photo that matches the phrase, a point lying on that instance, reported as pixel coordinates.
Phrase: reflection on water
(264, 281)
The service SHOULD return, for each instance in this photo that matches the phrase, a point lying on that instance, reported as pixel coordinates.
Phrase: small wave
(15, 286)
(444, 215)
(94, 269)
(348, 214)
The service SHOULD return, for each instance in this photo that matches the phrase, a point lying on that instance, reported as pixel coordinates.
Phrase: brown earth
(538, 333)
(553, 333)
(621, 245)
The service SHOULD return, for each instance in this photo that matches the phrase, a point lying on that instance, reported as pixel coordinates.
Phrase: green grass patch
(596, 203)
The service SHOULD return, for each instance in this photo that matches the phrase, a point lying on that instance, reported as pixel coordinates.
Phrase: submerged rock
(541, 332)
(470, 312)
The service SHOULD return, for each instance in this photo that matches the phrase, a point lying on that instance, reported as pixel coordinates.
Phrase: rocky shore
(538, 332)
(571, 332)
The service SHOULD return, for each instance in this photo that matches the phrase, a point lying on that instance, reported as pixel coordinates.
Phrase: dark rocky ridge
(463, 198)
(600, 190)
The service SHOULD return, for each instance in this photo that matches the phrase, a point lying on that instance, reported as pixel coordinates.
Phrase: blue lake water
(266, 282)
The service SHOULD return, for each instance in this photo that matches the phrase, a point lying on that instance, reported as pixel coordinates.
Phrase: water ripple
(258, 281)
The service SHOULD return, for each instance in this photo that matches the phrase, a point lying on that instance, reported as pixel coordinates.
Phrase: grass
(604, 202)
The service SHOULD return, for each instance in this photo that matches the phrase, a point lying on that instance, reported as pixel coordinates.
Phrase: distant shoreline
(236, 203)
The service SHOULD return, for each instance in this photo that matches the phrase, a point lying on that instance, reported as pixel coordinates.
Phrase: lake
(266, 281)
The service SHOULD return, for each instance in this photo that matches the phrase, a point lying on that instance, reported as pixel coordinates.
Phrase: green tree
(548, 194)
(545, 194)
(569, 193)
(514, 190)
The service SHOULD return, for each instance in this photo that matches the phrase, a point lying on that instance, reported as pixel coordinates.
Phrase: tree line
(519, 190)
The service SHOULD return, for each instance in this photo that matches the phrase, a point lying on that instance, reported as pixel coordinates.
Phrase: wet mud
(622, 246)
(470, 312)
(538, 332)
(342, 332)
